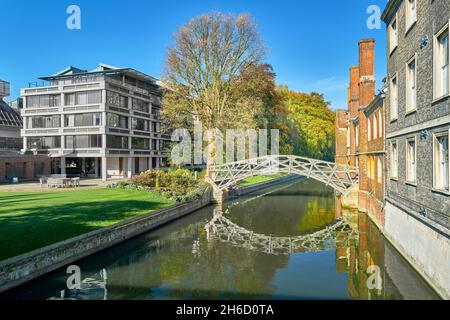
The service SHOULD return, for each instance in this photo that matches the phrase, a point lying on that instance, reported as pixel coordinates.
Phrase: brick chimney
(366, 95)
(353, 92)
(366, 71)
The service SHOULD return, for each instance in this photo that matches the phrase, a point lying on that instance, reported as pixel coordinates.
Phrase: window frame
(391, 158)
(393, 117)
(393, 41)
(408, 108)
(408, 156)
(408, 21)
(436, 52)
(435, 137)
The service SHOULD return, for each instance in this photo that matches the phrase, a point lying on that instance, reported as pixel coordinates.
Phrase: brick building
(360, 132)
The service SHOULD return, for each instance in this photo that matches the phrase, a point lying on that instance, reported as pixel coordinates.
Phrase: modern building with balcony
(101, 123)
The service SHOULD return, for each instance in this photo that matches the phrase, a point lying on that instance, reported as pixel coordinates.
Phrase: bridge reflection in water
(254, 248)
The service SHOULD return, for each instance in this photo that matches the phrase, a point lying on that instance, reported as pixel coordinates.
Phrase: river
(291, 242)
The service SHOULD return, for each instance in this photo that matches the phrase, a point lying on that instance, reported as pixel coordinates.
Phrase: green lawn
(33, 220)
(259, 179)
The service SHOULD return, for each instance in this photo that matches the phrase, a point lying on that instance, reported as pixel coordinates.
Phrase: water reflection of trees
(178, 261)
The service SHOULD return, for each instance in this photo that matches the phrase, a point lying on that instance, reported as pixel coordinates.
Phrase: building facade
(14, 164)
(417, 212)
(360, 133)
(10, 121)
(101, 123)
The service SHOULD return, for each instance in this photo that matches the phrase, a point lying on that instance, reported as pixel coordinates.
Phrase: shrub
(179, 185)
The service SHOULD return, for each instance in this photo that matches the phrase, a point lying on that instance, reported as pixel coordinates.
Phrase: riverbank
(26, 267)
(33, 220)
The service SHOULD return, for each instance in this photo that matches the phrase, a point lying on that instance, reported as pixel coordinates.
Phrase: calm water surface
(293, 242)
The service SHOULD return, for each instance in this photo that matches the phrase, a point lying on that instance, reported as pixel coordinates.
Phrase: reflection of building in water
(398, 280)
(92, 288)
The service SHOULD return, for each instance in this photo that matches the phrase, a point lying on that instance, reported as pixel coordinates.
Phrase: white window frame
(393, 98)
(408, 178)
(375, 125)
(393, 35)
(411, 97)
(410, 15)
(380, 123)
(438, 90)
(379, 170)
(393, 160)
(437, 187)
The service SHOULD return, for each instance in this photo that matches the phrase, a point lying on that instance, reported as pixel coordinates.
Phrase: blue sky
(312, 44)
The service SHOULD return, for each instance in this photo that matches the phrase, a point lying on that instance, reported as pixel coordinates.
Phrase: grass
(33, 220)
(260, 179)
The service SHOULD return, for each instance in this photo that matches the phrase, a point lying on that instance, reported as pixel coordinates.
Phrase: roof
(8, 116)
(390, 10)
(101, 69)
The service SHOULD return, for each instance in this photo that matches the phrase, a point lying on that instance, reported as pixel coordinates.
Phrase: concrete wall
(113, 167)
(427, 248)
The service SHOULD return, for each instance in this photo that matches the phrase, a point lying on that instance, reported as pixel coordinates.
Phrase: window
(394, 160)
(380, 123)
(441, 62)
(411, 85)
(115, 99)
(44, 101)
(82, 120)
(411, 161)
(411, 13)
(379, 170)
(393, 35)
(140, 124)
(357, 135)
(117, 142)
(89, 141)
(394, 98)
(375, 125)
(43, 142)
(86, 97)
(116, 121)
(44, 122)
(369, 128)
(140, 105)
(441, 162)
(140, 143)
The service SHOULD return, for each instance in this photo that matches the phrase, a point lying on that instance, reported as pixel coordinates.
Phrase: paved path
(36, 187)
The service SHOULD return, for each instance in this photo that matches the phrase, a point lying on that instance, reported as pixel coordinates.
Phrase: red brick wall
(341, 137)
(23, 166)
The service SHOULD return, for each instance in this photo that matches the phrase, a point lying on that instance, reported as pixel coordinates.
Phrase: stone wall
(432, 116)
(426, 246)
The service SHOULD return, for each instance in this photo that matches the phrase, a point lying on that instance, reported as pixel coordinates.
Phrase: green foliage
(179, 185)
(314, 122)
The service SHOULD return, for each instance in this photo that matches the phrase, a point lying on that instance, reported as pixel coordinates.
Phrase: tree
(314, 121)
(207, 73)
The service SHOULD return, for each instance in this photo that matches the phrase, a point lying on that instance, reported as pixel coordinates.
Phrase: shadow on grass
(35, 228)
